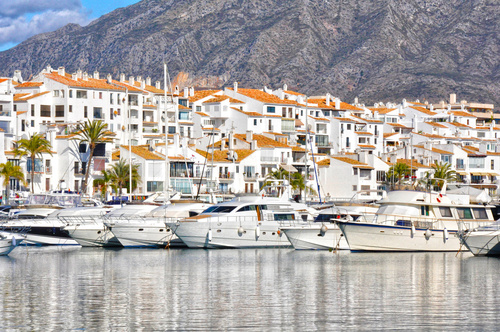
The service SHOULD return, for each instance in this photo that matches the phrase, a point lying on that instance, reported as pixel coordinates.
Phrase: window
(355, 171)
(271, 109)
(56, 93)
(60, 111)
(81, 94)
(255, 122)
(347, 144)
(270, 125)
(153, 186)
(71, 93)
(460, 164)
(45, 111)
(38, 165)
(354, 188)
(111, 114)
(445, 212)
(171, 130)
(479, 213)
(464, 213)
(85, 113)
(348, 126)
(198, 108)
(475, 162)
(492, 164)
(380, 176)
(98, 113)
(424, 210)
(100, 95)
(70, 109)
(32, 123)
(32, 110)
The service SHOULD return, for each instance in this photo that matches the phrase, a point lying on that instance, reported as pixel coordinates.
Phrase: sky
(21, 19)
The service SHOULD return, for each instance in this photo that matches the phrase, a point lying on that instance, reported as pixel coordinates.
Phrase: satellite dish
(235, 156)
(116, 112)
(123, 128)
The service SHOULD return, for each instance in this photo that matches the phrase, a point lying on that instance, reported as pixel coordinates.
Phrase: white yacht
(86, 226)
(324, 233)
(9, 241)
(484, 240)
(136, 226)
(416, 221)
(244, 222)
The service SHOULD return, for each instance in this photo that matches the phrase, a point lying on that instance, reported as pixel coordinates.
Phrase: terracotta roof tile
(29, 85)
(202, 114)
(462, 113)
(221, 155)
(80, 83)
(413, 164)
(143, 152)
(18, 96)
(436, 124)
(265, 97)
(321, 102)
(218, 99)
(353, 162)
(251, 114)
(33, 96)
(202, 94)
(423, 110)
(381, 110)
(363, 133)
(262, 141)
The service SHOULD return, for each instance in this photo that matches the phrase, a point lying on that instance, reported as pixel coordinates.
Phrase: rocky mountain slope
(377, 50)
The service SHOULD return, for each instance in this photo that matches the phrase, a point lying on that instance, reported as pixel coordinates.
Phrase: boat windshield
(220, 209)
(404, 210)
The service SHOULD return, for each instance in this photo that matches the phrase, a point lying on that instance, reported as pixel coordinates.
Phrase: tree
(8, 171)
(33, 147)
(296, 179)
(120, 175)
(397, 173)
(93, 133)
(443, 171)
(105, 183)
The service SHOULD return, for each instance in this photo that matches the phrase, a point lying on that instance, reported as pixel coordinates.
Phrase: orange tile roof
(423, 110)
(18, 96)
(294, 93)
(218, 99)
(366, 120)
(262, 141)
(265, 97)
(3, 80)
(353, 162)
(441, 151)
(321, 102)
(143, 152)
(381, 110)
(202, 94)
(115, 155)
(345, 119)
(33, 96)
(221, 155)
(124, 86)
(413, 164)
(29, 85)
(21, 112)
(182, 107)
(398, 125)
(462, 113)
(436, 124)
(460, 125)
(363, 133)
(298, 123)
(202, 114)
(318, 119)
(251, 114)
(80, 83)
(389, 134)
(149, 88)
(324, 162)
(367, 146)
(298, 149)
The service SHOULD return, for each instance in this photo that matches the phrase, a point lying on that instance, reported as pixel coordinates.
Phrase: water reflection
(96, 289)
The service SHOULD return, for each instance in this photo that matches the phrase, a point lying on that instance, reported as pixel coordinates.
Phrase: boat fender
(445, 234)
(209, 235)
(14, 241)
(412, 230)
(257, 232)
(428, 234)
(323, 230)
(241, 230)
(280, 233)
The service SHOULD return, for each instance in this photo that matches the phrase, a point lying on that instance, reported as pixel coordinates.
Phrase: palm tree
(398, 172)
(443, 171)
(8, 170)
(296, 179)
(120, 175)
(105, 183)
(93, 132)
(33, 147)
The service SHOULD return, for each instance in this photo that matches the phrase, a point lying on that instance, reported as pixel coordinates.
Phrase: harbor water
(67, 289)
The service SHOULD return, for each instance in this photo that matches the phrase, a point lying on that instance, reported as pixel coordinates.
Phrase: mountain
(377, 50)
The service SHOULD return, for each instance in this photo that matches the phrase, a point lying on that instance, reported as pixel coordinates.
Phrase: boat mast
(306, 157)
(167, 175)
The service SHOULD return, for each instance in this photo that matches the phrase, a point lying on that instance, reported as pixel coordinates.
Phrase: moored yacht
(484, 240)
(416, 221)
(9, 241)
(324, 232)
(244, 222)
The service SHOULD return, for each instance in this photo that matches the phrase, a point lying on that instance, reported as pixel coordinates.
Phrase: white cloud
(20, 28)
(16, 8)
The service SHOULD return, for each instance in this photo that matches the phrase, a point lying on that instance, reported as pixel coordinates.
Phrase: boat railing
(79, 220)
(242, 219)
(130, 218)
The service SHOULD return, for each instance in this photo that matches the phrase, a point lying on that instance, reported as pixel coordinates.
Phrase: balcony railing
(269, 159)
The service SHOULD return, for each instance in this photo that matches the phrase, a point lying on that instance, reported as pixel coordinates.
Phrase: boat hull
(140, 235)
(93, 236)
(483, 243)
(225, 234)
(8, 242)
(376, 237)
(311, 238)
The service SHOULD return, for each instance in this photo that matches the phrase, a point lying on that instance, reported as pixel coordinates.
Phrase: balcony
(48, 169)
(271, 160)
(5, 113)
(229, 177)
(250, 177)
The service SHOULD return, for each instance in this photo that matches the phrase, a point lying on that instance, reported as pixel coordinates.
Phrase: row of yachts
(403, 220)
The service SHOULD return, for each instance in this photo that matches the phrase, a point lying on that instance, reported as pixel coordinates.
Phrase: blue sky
(21, 19)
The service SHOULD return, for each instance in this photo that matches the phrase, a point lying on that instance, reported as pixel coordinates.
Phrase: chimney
(337, 103)
(176, 139)
(191, 91)
(356, 101)
(79, 74)
(235, 86)
(85, 76)
(285, 87)
(441, 104)
(148, 80)
(143, 85)
(223, 144)
(61, 71)
(253, 145)
(158, 85)
(131, 80)
(453, 98)
(230, 141)
(327, 102)
(49, 69)
(96, 75)
(431, 108)
(122, 78)
(139, 79)
(109, 78)
(176, 90)
(74, 76)
(405, 104)
(17, 76)
(186, 92)
(249, 137)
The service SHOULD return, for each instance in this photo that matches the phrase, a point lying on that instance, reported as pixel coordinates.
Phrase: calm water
(63, 289)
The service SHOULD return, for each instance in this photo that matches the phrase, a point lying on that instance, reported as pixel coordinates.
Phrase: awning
(493, 174)
(288, 168)
(461, 172)
(478, 173)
